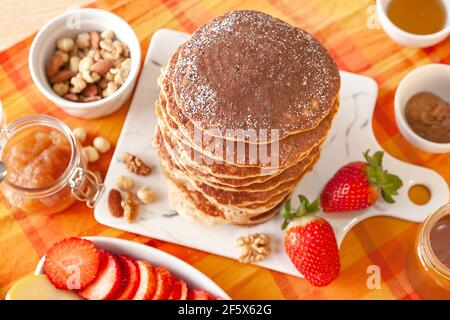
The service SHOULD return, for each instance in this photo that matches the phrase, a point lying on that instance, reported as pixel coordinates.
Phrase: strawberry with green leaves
(358, 185)
(310, 243)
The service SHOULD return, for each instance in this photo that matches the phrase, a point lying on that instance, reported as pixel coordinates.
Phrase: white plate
(179, 268)
(349, 137)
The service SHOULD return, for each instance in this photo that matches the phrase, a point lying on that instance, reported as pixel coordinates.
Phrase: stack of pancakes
(245, 106)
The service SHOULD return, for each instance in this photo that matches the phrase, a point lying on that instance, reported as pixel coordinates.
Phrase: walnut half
(255, 247)
(130, 205)
(135, 164)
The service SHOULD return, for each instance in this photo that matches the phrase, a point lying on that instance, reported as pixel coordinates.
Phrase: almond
(61, 76)
(115, 203)
(72, 97)
(102, 66)
(90, 90)
(95, 40)
(54, 64)
(91, 99)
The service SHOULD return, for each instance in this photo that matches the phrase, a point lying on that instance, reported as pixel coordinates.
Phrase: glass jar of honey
(46, 167)
(428, 266)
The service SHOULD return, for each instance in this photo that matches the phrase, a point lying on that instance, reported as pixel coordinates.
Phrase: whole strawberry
(310, 243)
(358, 185)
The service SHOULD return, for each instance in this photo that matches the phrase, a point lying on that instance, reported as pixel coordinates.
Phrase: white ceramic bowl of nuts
(86, 61)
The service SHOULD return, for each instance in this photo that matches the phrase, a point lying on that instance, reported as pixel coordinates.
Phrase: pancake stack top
(244, 108)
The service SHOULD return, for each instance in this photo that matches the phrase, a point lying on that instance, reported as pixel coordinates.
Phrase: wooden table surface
(21, 18)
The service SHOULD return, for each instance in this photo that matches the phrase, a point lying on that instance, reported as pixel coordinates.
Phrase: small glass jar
(428, 275)
(75, 183)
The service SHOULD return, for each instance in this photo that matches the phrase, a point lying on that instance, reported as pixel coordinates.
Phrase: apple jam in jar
(46, 168)
(428, 267)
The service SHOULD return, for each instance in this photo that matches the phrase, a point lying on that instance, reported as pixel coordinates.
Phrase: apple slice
(108, 281)
(179, 290)
(147, 281)
(130, 278)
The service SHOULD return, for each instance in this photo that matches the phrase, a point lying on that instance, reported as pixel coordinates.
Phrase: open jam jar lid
(46, 168)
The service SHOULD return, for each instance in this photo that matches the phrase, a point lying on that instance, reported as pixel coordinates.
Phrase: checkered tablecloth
(348, 29)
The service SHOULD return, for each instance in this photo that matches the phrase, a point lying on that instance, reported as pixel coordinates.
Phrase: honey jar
(428, 268)
(46, 167)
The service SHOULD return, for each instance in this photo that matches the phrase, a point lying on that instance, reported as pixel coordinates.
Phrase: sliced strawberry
(147, 281)
(72, 263)
(108, 280)
(130, 278)
(164, 284)
(199, 294)
(179, 290)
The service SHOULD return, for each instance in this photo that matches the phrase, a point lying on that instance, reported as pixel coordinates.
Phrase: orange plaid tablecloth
(345, 28)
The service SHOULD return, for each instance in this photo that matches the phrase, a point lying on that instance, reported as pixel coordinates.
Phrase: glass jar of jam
(46, 168)
(428, 267)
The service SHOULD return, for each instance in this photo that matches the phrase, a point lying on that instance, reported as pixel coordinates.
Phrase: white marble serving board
(350, 136)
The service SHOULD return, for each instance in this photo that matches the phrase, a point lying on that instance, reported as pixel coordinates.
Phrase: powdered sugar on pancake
(248, 71)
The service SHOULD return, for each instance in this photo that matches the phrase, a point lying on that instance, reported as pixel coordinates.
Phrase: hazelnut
(65, 44)
(101, 144)
(61, 88)
(125, 183)
(91, 154)
(83, 40)
(107, 34)
(80, 134)
(146, 195)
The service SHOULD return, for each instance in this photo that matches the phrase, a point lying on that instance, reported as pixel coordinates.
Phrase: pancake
(253, 185)
(243, 73)
(250, 202)
(286, 152)
(246, 70)
(196, 211)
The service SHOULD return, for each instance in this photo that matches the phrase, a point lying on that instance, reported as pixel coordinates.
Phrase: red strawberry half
(130, 278)
(310, 243)
(164, 281)
(358, 185)
(179, 290)
(147, 281)
(108, 281)
(72, 263)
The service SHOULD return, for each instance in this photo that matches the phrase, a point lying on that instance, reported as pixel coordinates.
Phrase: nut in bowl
(430, 80)
(68, 62)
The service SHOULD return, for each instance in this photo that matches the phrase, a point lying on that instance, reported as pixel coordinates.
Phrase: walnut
(135, 164)
(130, 205)
(255, 247)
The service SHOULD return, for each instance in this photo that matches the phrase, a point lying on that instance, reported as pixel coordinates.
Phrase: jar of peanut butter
(428, 267)
(46, 168)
